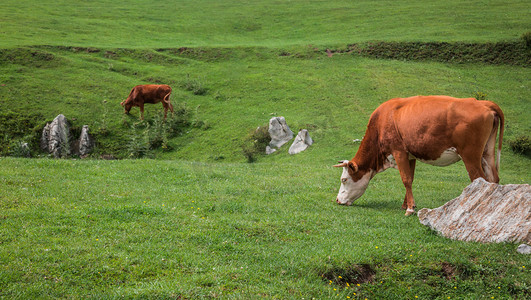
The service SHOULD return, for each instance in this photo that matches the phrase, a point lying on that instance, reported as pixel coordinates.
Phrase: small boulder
(302, 142)
(524, 249)
(279, 132)
(45, 137)
(55, 137)
(85, 142)
(484, 212)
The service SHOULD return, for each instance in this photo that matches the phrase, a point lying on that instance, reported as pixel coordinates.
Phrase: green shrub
(521, 145)
(15, 126)
(526, 37)
(155, 133)
(138, 145)
(19, 149)
(195, 86)
(480, 96)
(255, 143)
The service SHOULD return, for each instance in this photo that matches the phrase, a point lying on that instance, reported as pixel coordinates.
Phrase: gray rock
(524, 249)
(58, 143)
(45, 137)
(270, 150)
(484, 212)
(55, 137)
(302, 142)
(86, 143)
(279, 132)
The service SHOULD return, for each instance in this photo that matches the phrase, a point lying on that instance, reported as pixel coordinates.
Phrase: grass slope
(200, 222)
(176, 229)
(245, 87)
(272, 23)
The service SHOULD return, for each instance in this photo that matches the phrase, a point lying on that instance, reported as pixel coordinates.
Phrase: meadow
(196, 220)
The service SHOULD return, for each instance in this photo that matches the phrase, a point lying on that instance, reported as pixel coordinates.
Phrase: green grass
(144, 228)
(245, 87)
(272, 23)
(198, 221)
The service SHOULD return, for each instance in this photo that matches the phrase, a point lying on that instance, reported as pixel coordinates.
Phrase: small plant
(521, 145)
(526, 37)
(255, 143)
(103, 129)
(20, 149)
(194, 86)
(480, 96)
(138, 145)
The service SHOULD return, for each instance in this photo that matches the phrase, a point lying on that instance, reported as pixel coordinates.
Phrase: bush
(521, 145)
(155, 133)
(480, 96)
(15, 126)
(526, 37)
(194, 86)
(255, 143)
(138, 145)
(20, 149)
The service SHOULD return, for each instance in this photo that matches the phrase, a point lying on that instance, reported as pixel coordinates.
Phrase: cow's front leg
(406, 169)
(141, 106)
(412, 163)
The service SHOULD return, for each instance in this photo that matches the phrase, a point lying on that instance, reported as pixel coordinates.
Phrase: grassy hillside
(198, 221)
(244, 88)
(272, 23)
(178, 229)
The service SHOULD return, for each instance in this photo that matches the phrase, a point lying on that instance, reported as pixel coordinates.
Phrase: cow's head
(354, 182)
(127, 106)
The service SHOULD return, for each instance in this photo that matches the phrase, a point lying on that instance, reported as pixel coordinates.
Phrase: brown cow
(149, 93)
(438, 130)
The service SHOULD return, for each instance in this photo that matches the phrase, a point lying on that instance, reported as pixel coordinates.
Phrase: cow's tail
(167, 100)
(501, 119)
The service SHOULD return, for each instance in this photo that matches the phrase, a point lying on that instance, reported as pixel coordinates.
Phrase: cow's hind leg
(406, 173)
(488, 161)
(473, 162)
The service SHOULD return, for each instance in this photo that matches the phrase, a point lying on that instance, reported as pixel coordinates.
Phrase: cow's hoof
(410, 212)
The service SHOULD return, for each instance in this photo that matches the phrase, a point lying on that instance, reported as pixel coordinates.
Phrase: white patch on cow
(487, 169)
(390, 162)
(351, 190)
(448, 157)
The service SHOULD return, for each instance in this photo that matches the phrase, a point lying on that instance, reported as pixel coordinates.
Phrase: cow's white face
(353, 183)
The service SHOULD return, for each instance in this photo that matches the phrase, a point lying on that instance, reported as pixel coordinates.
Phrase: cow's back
(425, 125)
(151, 93)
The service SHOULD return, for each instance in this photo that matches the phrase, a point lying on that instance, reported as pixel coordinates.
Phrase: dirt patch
(448, 270)
(354, 274)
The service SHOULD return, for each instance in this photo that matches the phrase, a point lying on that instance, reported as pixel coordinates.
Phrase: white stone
(524, 249)
(58, 137)
(302, 142)
(85, 141)
(484, 212)
(279, 132)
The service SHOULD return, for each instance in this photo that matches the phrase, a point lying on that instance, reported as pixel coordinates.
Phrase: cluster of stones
(57, 139)
(281, 134)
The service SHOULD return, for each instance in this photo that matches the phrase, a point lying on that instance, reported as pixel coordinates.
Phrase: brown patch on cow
(354, 274)
(448, 270)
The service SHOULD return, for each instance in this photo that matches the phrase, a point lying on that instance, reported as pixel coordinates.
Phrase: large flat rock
(484, 212)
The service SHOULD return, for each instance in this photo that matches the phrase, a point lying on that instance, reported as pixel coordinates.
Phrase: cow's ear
(352, 168)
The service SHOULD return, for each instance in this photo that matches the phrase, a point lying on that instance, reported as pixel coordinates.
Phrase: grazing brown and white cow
(438, 130)
(149, 93)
